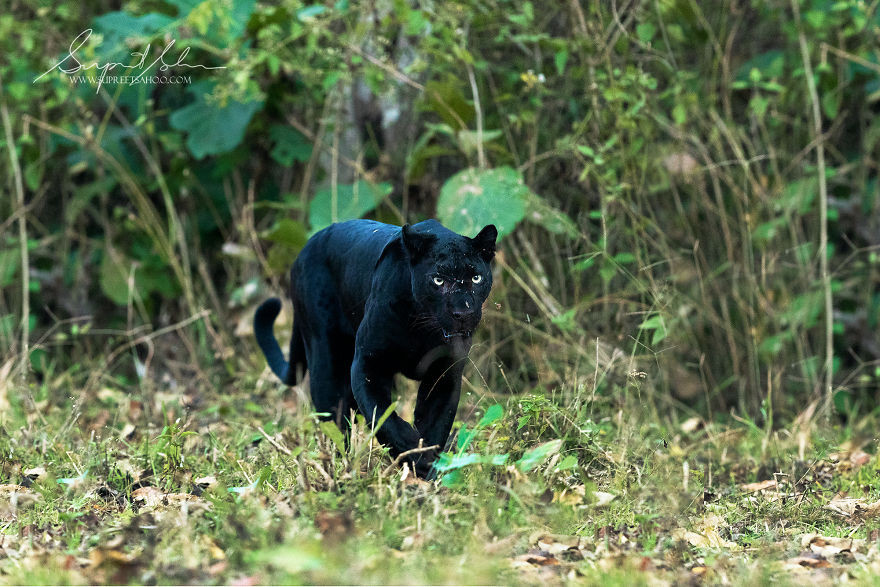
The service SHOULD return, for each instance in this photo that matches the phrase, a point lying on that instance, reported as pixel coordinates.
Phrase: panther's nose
(463, 310)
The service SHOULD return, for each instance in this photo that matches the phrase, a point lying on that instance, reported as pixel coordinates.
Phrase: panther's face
(450, 278)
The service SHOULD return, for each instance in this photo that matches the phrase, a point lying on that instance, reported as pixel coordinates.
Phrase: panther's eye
(477, 278)
(438, 280)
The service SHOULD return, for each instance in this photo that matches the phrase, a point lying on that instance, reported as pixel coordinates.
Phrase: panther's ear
(415, 243)
(485, 242)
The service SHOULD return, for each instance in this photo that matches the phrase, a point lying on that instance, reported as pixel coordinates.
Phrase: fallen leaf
(759, 486)
(539, 558)
(193, 502)
(691, 424)
(35, 474)
(707, 537)
(859, 458)
(829, 546)
(215, 551)
(557, 543)
(570, 495)
(809, 560)
(711, 540)
(853, 507)
(150, 496)
(18, 495)
(602, 498)
(334, 525)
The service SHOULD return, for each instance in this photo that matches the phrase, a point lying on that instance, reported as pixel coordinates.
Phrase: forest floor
(249, 488)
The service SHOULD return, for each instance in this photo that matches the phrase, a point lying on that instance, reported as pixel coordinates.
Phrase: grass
(241, 484)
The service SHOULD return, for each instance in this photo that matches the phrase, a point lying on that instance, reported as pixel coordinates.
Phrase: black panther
(371, 300)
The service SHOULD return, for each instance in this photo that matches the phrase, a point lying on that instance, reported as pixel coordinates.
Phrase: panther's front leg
(436, 405)
(371, 385)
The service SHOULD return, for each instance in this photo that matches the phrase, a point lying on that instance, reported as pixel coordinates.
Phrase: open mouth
(460, 334)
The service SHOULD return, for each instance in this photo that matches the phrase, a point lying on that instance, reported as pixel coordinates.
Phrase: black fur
(367, 306)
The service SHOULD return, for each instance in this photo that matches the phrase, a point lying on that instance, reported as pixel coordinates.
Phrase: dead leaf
(215, 551)
(829, 546)
(759, 486)
(150, 496)
(538, 558)
(602, 498)
(206, 482)
(100, 556)
(707, 536)
(570, 495)
(334, 526)
(192, 502)
(18, 495)
(809, 560)
(35, 474)
(501, 545)
(855, 507)
(859, 458)
(691, 424)
(557, 543)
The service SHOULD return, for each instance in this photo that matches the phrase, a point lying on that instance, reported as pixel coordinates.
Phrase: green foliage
(473, 198)
(212, 128)
(347, 202)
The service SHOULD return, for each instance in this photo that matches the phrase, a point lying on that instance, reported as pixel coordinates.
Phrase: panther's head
(450, 276)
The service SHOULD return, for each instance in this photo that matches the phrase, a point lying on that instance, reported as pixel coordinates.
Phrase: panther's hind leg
(329, 376)
(329, 347)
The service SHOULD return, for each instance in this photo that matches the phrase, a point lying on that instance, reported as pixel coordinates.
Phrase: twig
(481, 154)
(273, 442)
(398, 75)
(823, 213)
(22, 242)
(142, 339)
(851, 57)
(405, 454)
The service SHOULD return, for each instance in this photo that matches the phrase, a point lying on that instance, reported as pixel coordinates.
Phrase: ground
(245, 486)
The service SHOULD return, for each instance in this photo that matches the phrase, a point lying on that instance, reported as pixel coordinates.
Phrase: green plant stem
(22, 239)
(481, 154)
(823, 211)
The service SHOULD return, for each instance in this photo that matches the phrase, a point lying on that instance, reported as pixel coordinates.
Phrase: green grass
(208, 498)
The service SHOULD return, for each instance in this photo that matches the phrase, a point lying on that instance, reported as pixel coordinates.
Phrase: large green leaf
(350, 201)
(114, 276)
(219, 21)
(213, 128)
(473, 198)
(551, 219)
(289, 145)
(10, 260)
(534, 457)
(116, 28)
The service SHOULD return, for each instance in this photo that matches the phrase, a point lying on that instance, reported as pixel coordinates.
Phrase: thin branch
(481, 154)
(823, 212)
(22, 241)
(405, 454)
(273, 442)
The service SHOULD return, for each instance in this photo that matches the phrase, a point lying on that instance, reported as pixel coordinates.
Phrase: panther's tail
(264, 318)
